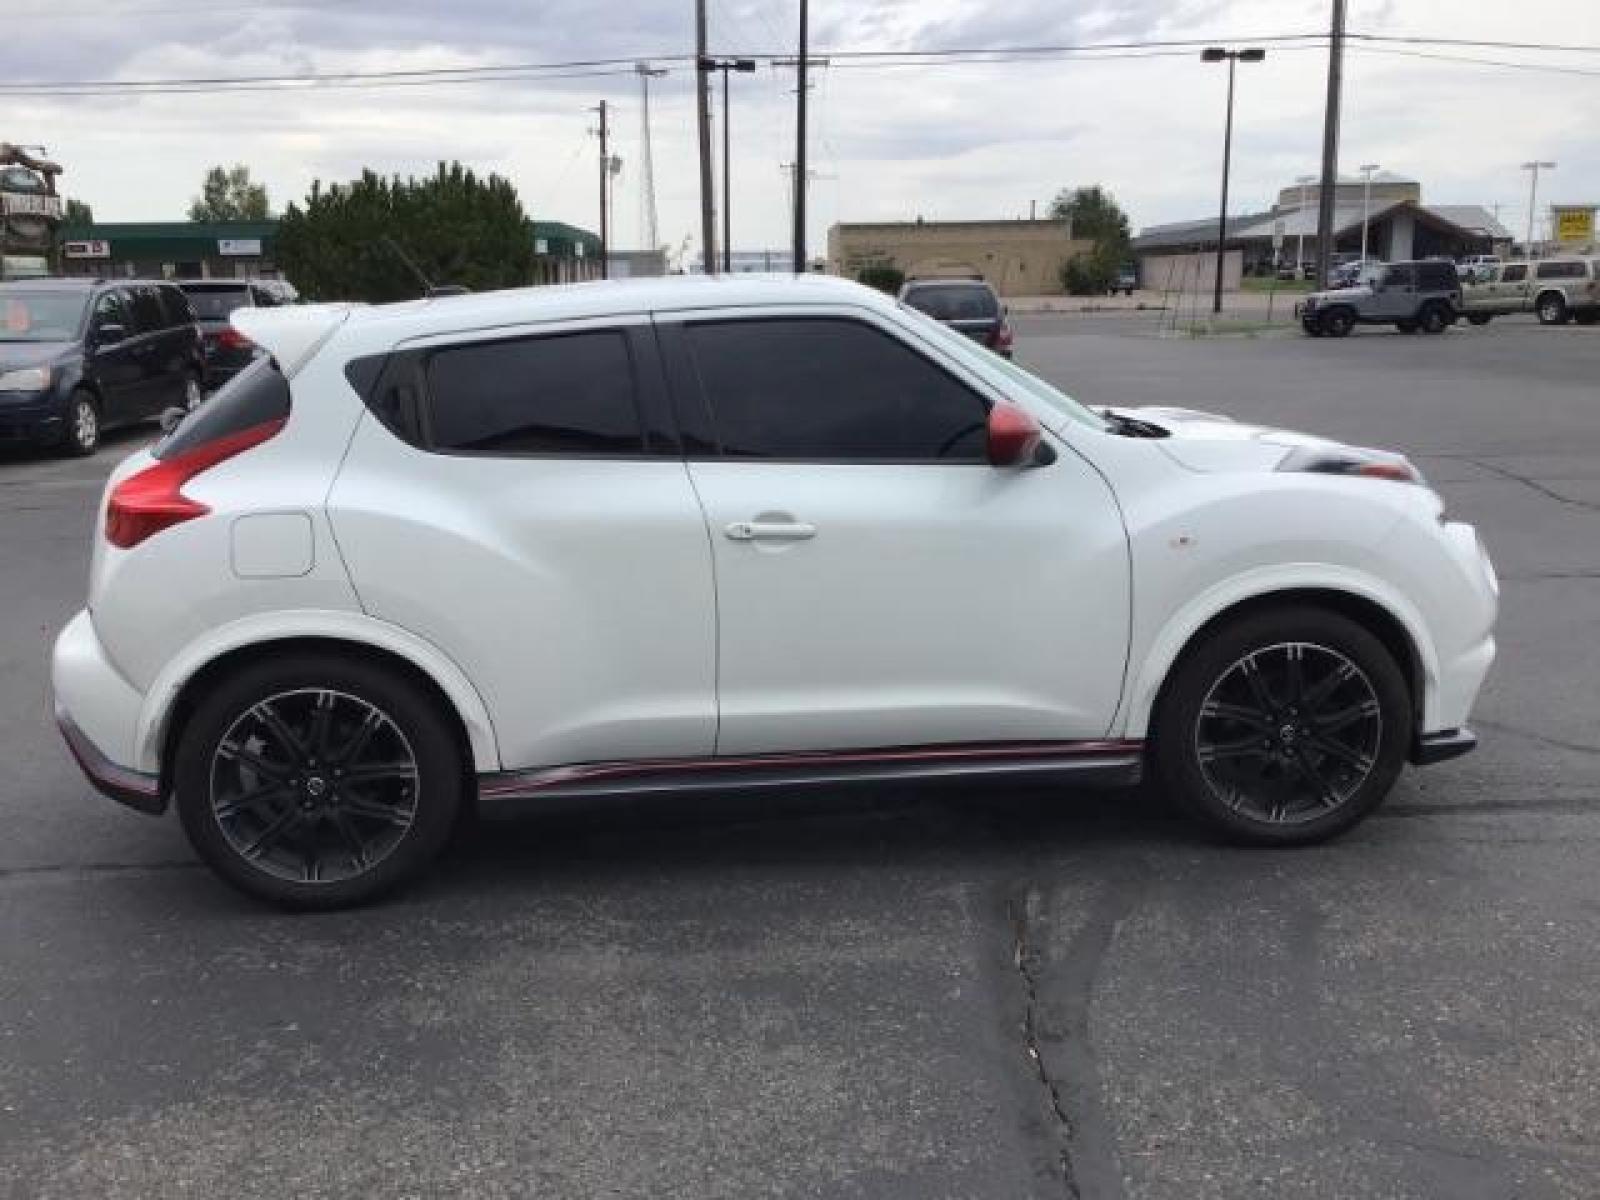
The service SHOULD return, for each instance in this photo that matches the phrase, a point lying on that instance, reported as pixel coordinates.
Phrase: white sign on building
(96, 248)
(239, 247)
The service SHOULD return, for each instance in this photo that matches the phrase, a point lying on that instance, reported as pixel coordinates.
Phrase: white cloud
(945, 141)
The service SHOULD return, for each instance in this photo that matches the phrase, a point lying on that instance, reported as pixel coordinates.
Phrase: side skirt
(1077, 764)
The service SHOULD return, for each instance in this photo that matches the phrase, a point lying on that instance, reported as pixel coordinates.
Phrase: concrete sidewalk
(1253, 306)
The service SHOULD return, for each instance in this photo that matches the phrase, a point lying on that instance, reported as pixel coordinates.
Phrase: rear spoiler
(292, 334)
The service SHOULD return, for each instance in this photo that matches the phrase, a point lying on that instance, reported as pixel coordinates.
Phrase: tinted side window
(147, 314)
(831, 389)
(177, 307)
(1560, 270)
(1400, 275)
(1514, 274)
(111, 309)
(564, 394)
(1436, 276)
(263, 298)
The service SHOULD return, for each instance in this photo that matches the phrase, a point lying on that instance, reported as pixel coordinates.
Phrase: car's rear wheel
(317, 782)
(1552, 309)
(194, 394)
(1436, 318)
(1337, 322)
(1283, 728)
(82, 434)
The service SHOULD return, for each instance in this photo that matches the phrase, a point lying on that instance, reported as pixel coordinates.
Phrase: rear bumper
(98, 713)
(133, 788)
(1430, 748)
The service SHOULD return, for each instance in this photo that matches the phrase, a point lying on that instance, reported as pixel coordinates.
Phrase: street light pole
(1533, 194)
(1300, 237)
(1232, 57)
(744, 66)
(1366, 206)
(800, 143)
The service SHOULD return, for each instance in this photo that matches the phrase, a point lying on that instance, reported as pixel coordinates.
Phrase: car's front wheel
(1552, 309)
(1284, 727)
(1338, 322)
(1436, 318)
(316, 781)
(81, 437)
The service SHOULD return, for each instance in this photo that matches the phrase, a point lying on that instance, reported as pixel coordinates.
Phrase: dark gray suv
(1411, 296)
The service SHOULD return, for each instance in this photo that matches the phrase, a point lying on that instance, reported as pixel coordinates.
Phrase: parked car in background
(969, 306)
(1475, 268)
(1423, 295)
(1557, 290)
(78, 356)
(1125, 280)
(227, 350)
(688, 533)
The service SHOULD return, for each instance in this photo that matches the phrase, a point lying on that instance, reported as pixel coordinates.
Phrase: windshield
(954, 302)
(215, 303)
(966, 348)
(40, 316)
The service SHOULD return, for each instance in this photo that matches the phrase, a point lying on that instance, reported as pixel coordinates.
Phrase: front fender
(355, 628)
(1182, 625)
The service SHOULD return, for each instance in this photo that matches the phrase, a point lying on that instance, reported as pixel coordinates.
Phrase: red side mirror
(1013, 436)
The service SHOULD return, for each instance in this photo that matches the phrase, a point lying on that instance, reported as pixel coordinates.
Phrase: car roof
(216, 284)
(293, 332)
(948, 281)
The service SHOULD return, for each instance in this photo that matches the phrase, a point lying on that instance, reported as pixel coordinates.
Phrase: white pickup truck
(1557, 290)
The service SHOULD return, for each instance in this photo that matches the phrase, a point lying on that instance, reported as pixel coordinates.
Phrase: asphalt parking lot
(1018, 994)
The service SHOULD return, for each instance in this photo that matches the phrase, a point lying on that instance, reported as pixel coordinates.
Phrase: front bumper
(30, 419)
(1430, 748)
(98, 712)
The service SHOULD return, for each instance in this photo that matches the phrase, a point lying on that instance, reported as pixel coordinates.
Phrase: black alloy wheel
(1436, 318)
(318, 785)
(1287, 727)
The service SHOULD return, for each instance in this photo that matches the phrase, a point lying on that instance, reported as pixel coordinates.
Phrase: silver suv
(1423, 295)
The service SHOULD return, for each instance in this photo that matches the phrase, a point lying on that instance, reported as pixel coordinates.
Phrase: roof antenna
(429, 288)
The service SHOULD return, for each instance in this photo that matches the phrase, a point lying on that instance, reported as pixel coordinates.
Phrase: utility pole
(605, 190)
(1213, 54)
(1533, 195)
(1330, 144)
(702, 90)
(649, 236)
(800, 148)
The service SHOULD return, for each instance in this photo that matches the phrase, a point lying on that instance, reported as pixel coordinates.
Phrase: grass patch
(1226, 327)
(1260, 286)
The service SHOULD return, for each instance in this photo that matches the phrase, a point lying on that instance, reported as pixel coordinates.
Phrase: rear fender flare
(357, 630)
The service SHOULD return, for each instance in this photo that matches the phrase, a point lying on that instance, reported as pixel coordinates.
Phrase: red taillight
(144, 504)
(230, 338)
(1000, 339)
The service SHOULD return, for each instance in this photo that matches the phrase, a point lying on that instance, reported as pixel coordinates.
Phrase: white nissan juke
(742, 532)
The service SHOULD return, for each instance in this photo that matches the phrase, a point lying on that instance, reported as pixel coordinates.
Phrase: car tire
(194, 391)
(1304, 756)
(1436, 318)
(1312, 328)
(1337, 322)
(1587, 317)
(1552, 309)
(1478, 318)
(1406, 326)
(263, 780)
(81, 438)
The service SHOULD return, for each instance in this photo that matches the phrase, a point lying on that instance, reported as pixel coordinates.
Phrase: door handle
(772, 531)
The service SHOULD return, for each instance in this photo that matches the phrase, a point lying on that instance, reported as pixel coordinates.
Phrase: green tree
(77, 213)
(229, 195)
(882, 276)
(1094, 213)
(458, 229)
(1096, 216)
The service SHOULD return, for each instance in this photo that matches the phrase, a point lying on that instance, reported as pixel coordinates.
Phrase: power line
(1545, 68)
(310, 86)
(1471, 42)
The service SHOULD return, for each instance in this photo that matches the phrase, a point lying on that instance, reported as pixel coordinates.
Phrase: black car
(968, 306)
(81, 355)
(227, 350)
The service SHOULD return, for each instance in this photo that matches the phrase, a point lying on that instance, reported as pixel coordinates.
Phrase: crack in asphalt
(8, 873)
(1061, 1049)
(1527, 481)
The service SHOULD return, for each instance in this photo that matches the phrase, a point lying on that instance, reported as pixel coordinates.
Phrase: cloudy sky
(956, 140)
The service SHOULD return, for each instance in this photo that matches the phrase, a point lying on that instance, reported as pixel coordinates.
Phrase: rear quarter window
(954, 302)
(257, 395)
(1560, 270)
(215, 303)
